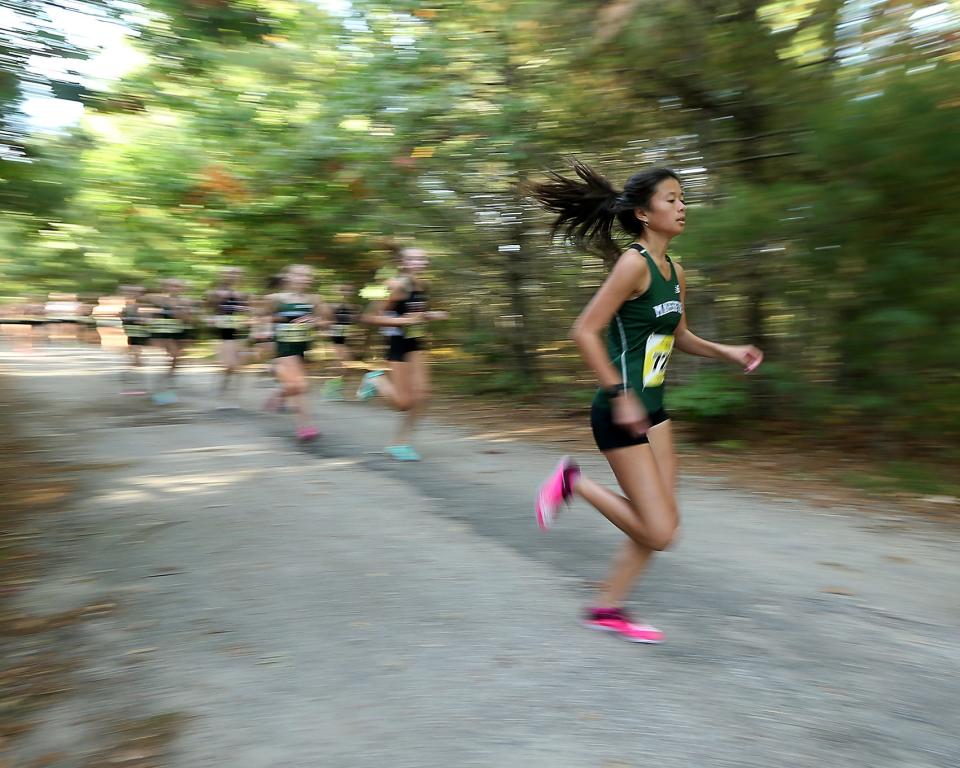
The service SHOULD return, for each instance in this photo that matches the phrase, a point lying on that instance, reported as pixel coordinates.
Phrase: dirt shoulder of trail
(32, 673)
(781, 461)
(785, 466)
(38, 666)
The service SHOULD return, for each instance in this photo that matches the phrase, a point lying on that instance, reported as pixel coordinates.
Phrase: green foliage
(475, 380)
(711, 396)
(266, 132)
(886, 268)
(899, 476)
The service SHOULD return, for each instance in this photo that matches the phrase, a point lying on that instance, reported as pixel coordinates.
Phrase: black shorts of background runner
(398, 347)
(293, 349)
(610, 436)
(188, 334)
(229, 334)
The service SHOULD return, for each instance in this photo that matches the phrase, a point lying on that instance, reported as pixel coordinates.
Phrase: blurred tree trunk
(517, 269)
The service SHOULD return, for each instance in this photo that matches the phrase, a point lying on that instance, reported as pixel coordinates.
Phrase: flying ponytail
(588, 207)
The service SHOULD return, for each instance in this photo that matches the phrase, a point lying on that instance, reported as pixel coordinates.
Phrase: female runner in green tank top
(640, 306)
(296, 315)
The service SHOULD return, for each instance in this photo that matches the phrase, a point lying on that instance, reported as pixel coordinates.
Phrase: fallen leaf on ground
(897, 559)
(838, 591)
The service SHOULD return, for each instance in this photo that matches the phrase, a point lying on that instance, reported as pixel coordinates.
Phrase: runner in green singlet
(296, 315)
(641, 307)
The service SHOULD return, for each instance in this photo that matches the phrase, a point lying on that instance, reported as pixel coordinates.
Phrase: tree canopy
(816, 139)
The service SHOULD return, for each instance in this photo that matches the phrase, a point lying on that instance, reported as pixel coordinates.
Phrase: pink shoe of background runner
(308, 433)
(615, 621)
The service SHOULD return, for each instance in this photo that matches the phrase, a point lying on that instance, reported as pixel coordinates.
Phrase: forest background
(817, 140)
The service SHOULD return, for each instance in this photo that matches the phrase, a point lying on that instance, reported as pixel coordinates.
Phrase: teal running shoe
(366, 390)
(403, 453)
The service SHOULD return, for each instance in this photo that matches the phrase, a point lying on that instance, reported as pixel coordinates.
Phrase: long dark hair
(588, 207)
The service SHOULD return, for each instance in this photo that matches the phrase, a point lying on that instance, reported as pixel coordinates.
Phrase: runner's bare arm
(322, 314)
(434, 314)
(745, 355)
(375, 315)
(266, 306)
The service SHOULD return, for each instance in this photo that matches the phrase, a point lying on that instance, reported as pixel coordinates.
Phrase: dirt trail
(265, 606)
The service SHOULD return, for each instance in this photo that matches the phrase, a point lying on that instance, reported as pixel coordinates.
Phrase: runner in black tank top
(137, 329)
(345, 317)
(641, 307)
(230, 320)
(171, 329)
(403, 317)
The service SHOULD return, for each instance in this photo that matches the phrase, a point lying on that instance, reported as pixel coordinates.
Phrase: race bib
(295, 333)
(227, 322)
(656, 358)
(167, 325)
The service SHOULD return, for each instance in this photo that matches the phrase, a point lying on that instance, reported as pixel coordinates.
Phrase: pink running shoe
(615, 620)
(555, 490)
(308, 433)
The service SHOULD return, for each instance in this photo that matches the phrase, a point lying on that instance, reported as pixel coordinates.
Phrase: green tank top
(286, 329)
(640, 336)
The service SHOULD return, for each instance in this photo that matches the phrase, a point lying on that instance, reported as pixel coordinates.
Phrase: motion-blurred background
(818, 140)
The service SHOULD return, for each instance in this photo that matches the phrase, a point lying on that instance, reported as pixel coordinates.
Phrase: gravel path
(329, 608)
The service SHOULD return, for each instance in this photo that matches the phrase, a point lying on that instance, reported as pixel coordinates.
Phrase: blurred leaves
(813, 137)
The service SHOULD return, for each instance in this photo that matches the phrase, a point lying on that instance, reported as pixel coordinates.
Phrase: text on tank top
(287, 329)
(343, 317)
(416, 301)
(640, 337)
(231, 307)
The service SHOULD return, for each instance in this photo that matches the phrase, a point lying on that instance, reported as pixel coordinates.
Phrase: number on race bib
(656, 358)
(227, 322)
(167, 325)
(294, 332)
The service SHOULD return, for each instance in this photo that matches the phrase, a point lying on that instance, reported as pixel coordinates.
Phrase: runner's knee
(660, 527)
(662, 535)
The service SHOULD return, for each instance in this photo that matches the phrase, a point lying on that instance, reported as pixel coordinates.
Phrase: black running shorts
(609, 436)
(398, 347)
